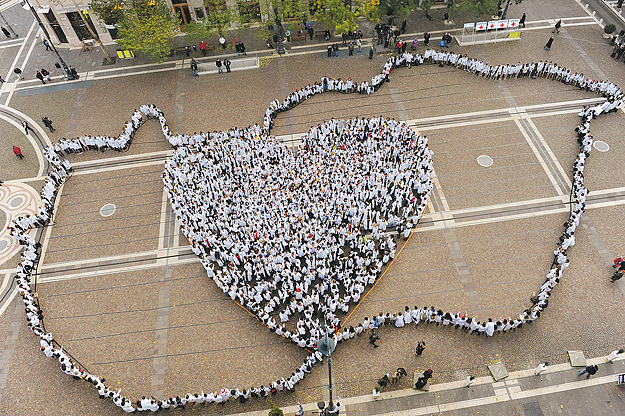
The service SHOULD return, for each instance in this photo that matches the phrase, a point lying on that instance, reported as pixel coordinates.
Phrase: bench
(210, 46)
(181, 49)
(320, 34)
(298, 36)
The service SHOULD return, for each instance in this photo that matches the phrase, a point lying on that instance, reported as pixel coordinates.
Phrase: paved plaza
(125, 295)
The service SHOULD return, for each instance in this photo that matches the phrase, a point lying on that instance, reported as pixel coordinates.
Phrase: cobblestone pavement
(127, 298)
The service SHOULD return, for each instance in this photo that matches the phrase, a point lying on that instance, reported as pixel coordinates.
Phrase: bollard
(594, 12)
(541, 367)
(586, 6)
(612, 356)
(601, 20)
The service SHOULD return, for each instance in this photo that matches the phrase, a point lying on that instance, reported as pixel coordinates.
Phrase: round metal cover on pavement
(601, 146)
(485, 161)
(3, 244)
(108, 210)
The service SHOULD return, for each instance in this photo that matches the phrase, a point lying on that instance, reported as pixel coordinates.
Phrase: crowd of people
(307, 252)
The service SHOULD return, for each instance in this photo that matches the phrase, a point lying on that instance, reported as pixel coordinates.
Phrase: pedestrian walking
(335, 49)
(227, 64)
(40, 77)
(359, 44)
(549, 43)
(403, 27)
(557, 27)
(47, 45)
(73, 71)
(522, 21)
(48, 123)
(350, 49)
(18, 72)
(46, 74)
(371, 52)
(311, 32)
(26, 127)
(420, 348)
(591, 370)
(300, 412)
(426, 38)
(1, 182)
(194, 67)
(2, 80)
(373, 338)
(423, 380)
(18, 152)
(6, 32)
(219, 64)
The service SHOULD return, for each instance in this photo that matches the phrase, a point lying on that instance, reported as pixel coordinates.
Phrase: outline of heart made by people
(319, 144)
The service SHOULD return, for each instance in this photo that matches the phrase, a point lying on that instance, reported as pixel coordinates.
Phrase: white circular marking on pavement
(485, 161)
(601, 146)
(16, 199)
(3, 244)
(108, 210)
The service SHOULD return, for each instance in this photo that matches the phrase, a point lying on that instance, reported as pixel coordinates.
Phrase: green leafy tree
(426, 5)
(401, 8)
(280, 12)
(217, 20)
(369, 9)
(336, 16)
(148, 26)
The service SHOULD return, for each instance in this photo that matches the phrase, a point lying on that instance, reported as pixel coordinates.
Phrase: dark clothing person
(194, 67)
(557, 27)
(218, 63)
(522, 21)
(6, 32)
(370, 53)
(373, 338)
(48, 123)
(617, 275)
(423, 380)
(350, 49)
(26, 127)
(74, 73)
(549, 43)
(420, 348)
(40, 77)
(18, 152)
(403, 26)
(310, 32)
(426, 39)
(18, 72)
(591, 370)
(329, 51)
(227, 65)
(47, 45)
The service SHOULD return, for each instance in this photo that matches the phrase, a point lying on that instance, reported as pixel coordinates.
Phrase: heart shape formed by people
(302, 234)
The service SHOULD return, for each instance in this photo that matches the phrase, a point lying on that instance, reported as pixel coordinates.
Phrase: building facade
(66, 27)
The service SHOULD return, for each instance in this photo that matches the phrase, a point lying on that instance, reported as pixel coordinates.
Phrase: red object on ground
(17, 150)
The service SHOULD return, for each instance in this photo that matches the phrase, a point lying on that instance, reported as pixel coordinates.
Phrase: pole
(505, 11)
(281, 50)
(11, 31)
(330, 386)
(45, 32)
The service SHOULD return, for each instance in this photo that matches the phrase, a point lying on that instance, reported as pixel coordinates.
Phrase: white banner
(469, 25)
(492, 25)
(481, 25)
(513, 23)
(502, 24)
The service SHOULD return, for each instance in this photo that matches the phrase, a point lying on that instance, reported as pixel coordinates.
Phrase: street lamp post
(45, 32)
(11, 31)
(281, 50)
(325, 346)
(505, 11)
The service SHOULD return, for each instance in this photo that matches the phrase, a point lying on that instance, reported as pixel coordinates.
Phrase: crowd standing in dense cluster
(310, 250)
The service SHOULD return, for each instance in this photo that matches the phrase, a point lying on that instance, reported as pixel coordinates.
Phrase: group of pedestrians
(292, 250)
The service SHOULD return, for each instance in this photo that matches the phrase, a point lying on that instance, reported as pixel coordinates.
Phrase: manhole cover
(485, 161)
(601, 146)
(107, 210)
(17, 201)
(3, 244)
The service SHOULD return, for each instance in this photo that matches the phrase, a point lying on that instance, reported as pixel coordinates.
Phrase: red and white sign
(480, 26)
(502, 24)
(512, 23)
(492, 25)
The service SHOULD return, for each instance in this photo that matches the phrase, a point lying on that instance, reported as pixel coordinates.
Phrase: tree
(401, 8)
(275, 410)
(84, 15)
(148, 26)
(336, 16)
(369, 9)
(216, 21)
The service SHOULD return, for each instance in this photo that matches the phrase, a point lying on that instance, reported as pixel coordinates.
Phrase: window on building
(79, 25)
(56, 27)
